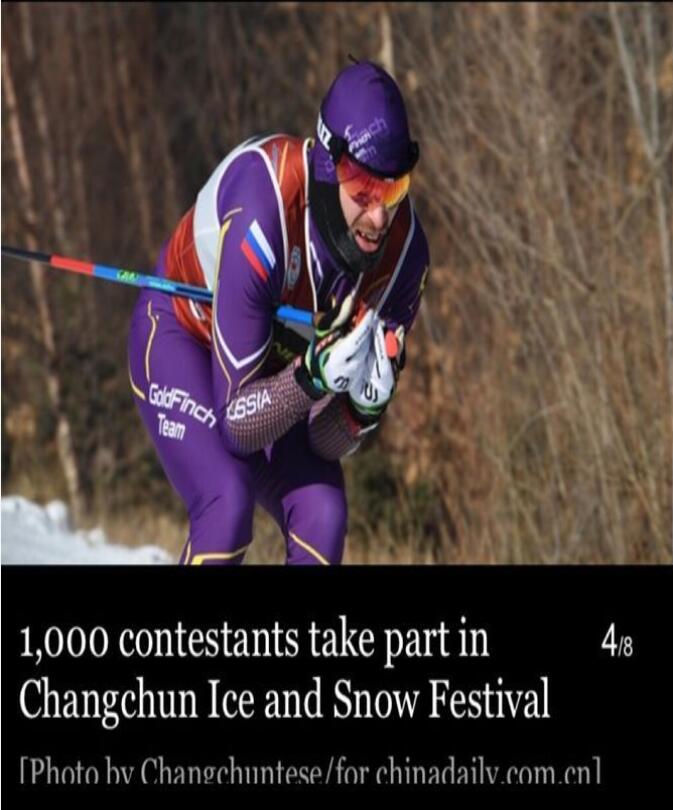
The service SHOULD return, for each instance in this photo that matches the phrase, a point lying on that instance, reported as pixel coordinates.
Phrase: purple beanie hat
(365, 107)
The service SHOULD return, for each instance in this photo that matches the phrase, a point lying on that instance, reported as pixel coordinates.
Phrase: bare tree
(51, 365)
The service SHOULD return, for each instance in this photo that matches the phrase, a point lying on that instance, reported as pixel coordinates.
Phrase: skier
(245, 409)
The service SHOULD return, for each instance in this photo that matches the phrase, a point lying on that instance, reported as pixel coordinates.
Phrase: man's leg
(171, 380)
(306, 496)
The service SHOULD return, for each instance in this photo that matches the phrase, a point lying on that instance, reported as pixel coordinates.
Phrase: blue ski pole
(121, 276)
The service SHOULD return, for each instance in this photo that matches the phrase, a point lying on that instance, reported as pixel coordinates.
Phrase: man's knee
(317, 527)
(220, 528)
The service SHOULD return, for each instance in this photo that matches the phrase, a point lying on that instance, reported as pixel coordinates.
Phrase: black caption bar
(137, 681)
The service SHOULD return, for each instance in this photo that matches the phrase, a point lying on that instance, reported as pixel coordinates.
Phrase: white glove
(342, 363)
(373, 388)
(335, 356)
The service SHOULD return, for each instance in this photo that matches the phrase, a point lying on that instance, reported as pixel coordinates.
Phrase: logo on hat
(360, 143)
(324, 135)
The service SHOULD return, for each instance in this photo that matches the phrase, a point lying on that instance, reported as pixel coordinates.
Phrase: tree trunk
(66, 452)
(134, 150)
(387, 54)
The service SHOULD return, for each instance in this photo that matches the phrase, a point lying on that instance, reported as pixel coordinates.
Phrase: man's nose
(378, 216)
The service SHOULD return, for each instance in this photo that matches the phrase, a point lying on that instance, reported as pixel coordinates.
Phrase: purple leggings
(171, 380)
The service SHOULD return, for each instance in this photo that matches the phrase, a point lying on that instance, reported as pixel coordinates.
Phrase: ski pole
(117, 274)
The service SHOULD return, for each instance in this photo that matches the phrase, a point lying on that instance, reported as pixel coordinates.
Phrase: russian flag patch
(257, 251)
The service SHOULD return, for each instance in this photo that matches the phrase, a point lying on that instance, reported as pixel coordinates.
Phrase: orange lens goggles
(367, 190)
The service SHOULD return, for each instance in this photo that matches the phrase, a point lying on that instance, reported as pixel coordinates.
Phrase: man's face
(367, 227)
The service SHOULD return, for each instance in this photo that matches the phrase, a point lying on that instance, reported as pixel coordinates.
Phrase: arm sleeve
(252, 411)
(335, 430)
(401, 305)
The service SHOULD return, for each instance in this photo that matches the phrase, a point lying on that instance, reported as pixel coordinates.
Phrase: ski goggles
(368, 190)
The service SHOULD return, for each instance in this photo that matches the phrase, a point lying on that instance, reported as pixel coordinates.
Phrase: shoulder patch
(257, 251)
(294, 268)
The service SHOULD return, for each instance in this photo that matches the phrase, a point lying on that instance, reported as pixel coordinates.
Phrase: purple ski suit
(216, 387)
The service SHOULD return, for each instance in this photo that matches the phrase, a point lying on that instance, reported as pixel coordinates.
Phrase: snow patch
(44, 535)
